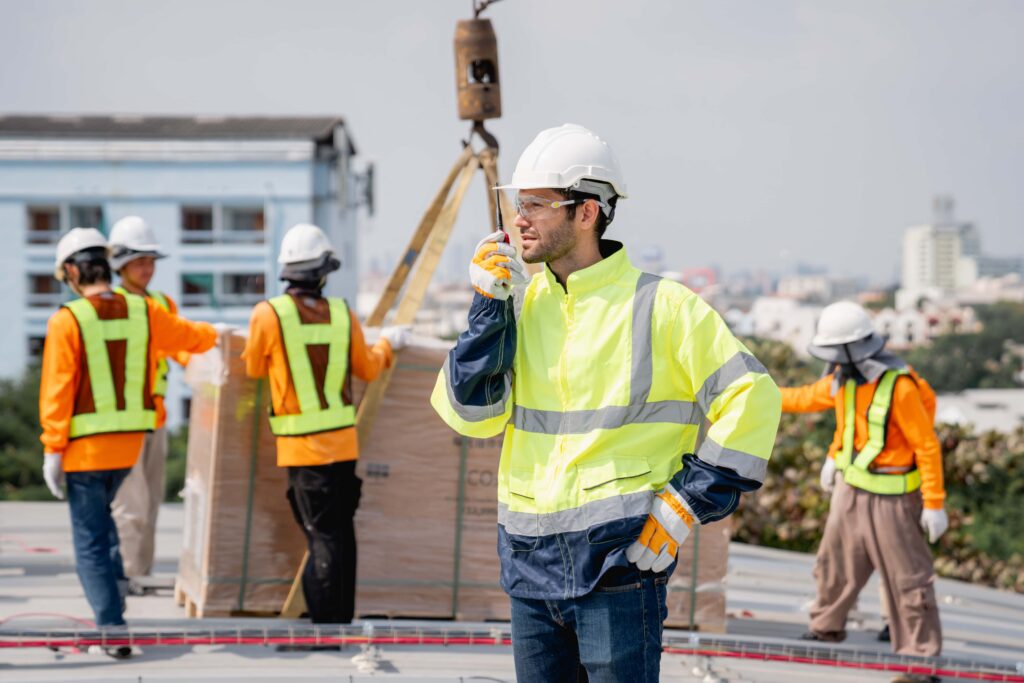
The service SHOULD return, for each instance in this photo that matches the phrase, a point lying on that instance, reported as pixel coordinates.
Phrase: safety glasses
(528, 205)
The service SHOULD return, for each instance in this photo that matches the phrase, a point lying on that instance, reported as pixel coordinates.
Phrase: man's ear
(590, 211)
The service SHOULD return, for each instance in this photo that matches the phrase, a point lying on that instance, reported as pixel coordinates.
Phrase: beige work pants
(867, 532)
(137, 503)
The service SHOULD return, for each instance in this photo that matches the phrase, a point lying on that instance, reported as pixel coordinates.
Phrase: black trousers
(324, 499)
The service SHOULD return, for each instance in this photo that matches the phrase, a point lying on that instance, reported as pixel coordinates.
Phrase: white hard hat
(562, 157)
(132, 238)
(76, 240)
(304, 243)
(843, 322)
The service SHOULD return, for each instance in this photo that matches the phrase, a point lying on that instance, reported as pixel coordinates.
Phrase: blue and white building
(219, 192)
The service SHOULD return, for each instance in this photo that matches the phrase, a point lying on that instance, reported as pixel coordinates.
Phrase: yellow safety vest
(855, 469)
(95, 333)
(612, 378)
(313, 417)
(162, 367)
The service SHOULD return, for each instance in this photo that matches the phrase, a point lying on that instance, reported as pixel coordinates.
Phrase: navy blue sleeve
(712, 492)
(479, 365)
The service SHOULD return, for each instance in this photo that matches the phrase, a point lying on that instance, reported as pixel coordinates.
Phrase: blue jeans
(97, 549)
(611, 634)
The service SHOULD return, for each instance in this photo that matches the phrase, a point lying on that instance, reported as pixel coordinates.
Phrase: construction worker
(884, 469)
(96, 404)
(599, 384)
(134, 251)
(310, 346)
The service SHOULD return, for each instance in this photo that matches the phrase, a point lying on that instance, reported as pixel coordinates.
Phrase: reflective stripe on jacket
(910, 440)
(600, 389)
(162, 368)
(317, 353)
(116, 395)
(265, 356)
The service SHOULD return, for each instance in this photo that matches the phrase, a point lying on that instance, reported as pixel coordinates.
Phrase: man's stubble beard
(559, 242)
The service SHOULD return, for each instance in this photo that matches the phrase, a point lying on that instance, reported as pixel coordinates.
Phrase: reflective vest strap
(162, 368)
(297, 336)
(878, 419)
(337, 358)
(101, 379)
(849, 408)
(118, 421)
(885, 484)
(95, 333)
(310, 423)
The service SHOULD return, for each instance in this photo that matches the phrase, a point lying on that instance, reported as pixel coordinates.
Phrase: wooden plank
(414, 293)
(419, 238)
(295, 603)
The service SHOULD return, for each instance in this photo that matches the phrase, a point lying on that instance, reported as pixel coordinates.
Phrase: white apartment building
(219, 192)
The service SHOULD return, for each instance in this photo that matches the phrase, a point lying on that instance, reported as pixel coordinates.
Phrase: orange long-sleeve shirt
(63, 363)
(181, 357)
(909, 440)
(265, 355)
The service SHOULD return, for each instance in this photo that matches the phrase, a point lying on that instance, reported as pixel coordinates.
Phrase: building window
(243, 224)
(216, 224)
(227, 289)
(242, 289)
(197, 289)
(196, 224)
(44, 291)
(35, 345)
(86, 217)
(43, 224)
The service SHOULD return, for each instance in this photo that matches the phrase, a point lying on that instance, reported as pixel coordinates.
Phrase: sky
(753, 134)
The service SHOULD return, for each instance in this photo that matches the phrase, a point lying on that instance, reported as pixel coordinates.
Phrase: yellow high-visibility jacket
(600, 389)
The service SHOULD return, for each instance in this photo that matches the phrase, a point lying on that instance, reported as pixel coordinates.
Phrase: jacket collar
(613, 266)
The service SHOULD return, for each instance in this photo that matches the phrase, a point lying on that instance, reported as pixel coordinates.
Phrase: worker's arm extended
(59, 380)
(740, 401)
(473, 393)
(367, 361)
(172, 334)
(810, 398)
(912, 417)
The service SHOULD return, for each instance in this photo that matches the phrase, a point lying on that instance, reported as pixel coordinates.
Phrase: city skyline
(753, 135)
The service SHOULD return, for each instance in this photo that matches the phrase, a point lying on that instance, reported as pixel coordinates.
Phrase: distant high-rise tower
(939, 258)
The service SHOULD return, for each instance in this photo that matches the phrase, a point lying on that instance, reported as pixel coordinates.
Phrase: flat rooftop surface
(768, 592)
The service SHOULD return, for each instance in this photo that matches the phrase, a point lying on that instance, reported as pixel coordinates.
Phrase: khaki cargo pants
(137, 503)
(867, 532)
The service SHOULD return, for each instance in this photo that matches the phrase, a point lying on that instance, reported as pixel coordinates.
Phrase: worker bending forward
(889, 485)
(599, 385)
(310, 346)
(134, 251)
(96, 404)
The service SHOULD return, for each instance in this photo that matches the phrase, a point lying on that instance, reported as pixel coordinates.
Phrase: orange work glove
(495, 269)
(666, 529)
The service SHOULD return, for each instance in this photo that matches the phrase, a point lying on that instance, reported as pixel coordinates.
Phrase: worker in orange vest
(310, 346)
(885, 466)
(96, 405)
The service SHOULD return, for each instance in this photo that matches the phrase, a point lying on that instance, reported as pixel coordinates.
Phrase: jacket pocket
(522, 529)
(608, 518)
(607, 470)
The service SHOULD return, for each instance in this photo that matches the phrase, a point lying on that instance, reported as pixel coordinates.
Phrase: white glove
(398, 336)
(828, 475)
(666, 529)
(223, 330)
(495, 270)
(935, 522)
(53, 473)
